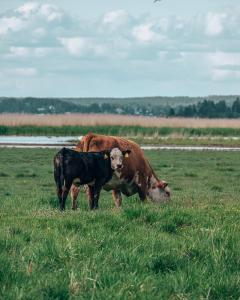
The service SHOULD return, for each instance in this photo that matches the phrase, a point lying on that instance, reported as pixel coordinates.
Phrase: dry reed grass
(103, 119)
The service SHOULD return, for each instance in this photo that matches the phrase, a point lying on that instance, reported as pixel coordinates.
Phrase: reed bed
(113, 120)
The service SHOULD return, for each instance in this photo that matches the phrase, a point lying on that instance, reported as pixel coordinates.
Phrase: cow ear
(162, 184)
(126, 153)
(106, 154)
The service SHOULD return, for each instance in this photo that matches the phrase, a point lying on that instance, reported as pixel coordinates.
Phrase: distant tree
(221, 109)
(171, 112)
(236, 108)
(206, 109)
(190, 111)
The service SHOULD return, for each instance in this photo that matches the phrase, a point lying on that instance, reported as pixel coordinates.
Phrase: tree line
(203, 109)
(208, 109)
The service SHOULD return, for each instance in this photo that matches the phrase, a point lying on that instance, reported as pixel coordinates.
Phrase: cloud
(76, 45)
(115, 18)
(12, 24)
(86, 47)
(24, 52)
(214, 24)
(48, 11)
(28, 8)
(144, 33)
(223, 75)
(19, 51)
(225, 66)
(224, 59)
(26, 72)
(51, 12)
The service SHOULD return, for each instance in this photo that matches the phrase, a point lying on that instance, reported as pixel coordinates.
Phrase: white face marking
(116, 157)
(158, 194)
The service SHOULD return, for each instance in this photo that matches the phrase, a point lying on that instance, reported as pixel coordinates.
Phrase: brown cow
(135, 176)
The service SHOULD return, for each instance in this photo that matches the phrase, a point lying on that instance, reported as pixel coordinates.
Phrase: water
(69, 141)
(38, 140)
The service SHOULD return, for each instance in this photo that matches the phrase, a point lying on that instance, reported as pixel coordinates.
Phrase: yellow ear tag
(126, 155)
(105, 156)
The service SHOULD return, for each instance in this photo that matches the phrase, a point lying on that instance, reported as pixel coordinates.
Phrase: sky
(119, 48)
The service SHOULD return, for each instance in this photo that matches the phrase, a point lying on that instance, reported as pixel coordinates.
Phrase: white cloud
(75, 45)
(224, 59)
(87, 47)
(42, 52)
(48, 11)
(11, 24)
(26, 72)
(40, 32)
(144, 33)
(222, 75)
(19, 51)
(28, 8)
(51, 12)
(24, 52)
(214, 24)
(115, 18)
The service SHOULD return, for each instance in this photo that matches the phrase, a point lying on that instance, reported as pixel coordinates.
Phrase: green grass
(187, 249)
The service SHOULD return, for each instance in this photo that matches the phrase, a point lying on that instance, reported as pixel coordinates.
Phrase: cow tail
(62, 179)
(58, 171)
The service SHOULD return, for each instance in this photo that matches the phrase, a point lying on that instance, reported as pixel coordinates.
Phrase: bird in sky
(157, 1)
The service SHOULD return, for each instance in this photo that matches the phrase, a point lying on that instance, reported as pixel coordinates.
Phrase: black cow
(92, 168)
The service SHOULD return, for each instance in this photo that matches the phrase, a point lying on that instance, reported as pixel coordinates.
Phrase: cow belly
(113, 184)
(127, 188)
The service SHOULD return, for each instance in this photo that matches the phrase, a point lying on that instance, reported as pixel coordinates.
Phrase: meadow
(185, 249)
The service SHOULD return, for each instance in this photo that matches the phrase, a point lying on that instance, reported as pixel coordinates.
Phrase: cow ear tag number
(126, 155)
(105, 156)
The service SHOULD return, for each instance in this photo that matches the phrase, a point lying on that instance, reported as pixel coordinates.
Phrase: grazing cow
(93, 168)
(135, 176)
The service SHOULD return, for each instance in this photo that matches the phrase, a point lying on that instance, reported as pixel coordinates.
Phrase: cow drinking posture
(93, 168)
(136, 174)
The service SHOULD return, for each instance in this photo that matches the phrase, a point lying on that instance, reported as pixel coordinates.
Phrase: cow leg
(90, 196)
(65, 191)
(74, 194)
(58, 185)
(142, 195)
(59, 194)
(142, 187)
(117, 198)
(94, 193)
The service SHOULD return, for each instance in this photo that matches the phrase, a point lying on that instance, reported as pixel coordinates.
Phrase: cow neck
(118, 174)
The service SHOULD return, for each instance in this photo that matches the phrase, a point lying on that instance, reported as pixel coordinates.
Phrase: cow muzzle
(119, 167)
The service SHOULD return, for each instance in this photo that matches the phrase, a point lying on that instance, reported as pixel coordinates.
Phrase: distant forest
(203, 109)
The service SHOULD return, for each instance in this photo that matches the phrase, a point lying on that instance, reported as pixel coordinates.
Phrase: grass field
(186, 249)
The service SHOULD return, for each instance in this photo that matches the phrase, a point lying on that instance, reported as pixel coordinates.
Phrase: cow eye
(112, 158)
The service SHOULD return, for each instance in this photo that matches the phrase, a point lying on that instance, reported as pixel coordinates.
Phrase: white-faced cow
(135, 176)
(93, 168)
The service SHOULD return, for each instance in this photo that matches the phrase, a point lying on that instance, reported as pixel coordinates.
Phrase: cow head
(116, 158)
(158, 190)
